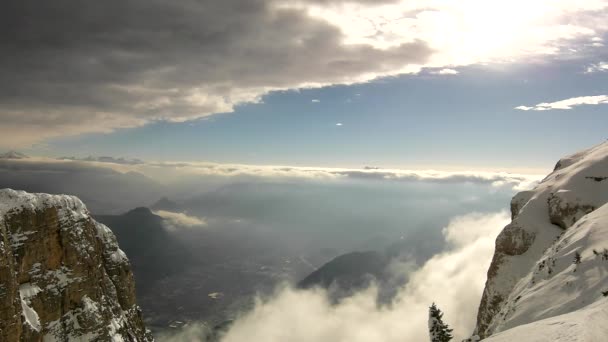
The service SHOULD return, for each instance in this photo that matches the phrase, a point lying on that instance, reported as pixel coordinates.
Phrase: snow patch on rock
(68, 279)
(13, 201)
(27, 291)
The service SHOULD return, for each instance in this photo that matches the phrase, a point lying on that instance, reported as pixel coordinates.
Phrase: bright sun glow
(465, 32)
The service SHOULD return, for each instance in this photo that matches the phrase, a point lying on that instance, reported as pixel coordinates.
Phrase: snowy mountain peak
(64, 278)
(550, 260)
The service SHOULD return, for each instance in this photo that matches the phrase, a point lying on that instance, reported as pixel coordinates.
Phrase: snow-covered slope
(63, 277)
(585, 325)
(549, 261)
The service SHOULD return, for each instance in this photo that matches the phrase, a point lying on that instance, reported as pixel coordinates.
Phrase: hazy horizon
(373, 146)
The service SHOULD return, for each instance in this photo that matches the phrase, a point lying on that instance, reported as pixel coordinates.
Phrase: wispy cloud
(445, 72)
(568, 103)
(497, 179)
(597, 67)
(597, 42)
(167, 173)
(175, 221)
(519, 181)
(315, 101)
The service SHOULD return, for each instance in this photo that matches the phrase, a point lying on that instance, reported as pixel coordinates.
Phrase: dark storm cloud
(79, 66)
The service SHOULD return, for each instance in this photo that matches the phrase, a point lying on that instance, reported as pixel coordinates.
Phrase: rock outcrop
(62, 275)
(547, 260)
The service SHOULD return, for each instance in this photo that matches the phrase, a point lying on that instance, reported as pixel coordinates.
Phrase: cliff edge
(62, 275)
(552, 259)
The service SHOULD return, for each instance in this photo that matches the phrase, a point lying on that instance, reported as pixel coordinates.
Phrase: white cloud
(174, 172)
(453, 279)
(568, 103)
(115, 82)
(597, 42)
(174, 221)
(497, 179)
(315, 101)
(339, 124)
(445, 72)
(597, 67)
(469, 31)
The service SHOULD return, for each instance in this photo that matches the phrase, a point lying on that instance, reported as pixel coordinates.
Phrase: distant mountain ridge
(160, 256)
(165, 204)
(349, 271)
(104, 190)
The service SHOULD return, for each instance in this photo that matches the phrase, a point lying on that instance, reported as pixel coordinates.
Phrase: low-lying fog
(233, 233)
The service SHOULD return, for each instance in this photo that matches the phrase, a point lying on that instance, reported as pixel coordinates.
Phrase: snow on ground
(557, 290)
(585, 325)
(15, 201)
(557, 284)
(538, 285)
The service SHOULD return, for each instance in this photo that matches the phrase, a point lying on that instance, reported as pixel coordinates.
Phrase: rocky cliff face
(548, 261)
(62, 275)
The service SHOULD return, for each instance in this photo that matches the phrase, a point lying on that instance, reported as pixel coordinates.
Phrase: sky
(251, 108)
(474, 84)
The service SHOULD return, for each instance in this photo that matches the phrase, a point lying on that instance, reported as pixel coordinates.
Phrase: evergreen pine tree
(577, 258)
(438, 330)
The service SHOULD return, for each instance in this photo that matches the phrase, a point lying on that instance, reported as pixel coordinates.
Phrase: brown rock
(62, 274)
